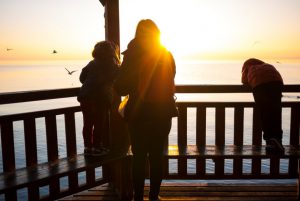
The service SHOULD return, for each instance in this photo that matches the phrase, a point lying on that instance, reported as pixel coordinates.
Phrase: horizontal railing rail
(25, 96)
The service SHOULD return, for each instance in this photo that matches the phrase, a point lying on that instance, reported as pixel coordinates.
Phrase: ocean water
(53, 75)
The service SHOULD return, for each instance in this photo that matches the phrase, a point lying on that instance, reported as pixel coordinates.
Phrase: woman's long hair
(147, 30)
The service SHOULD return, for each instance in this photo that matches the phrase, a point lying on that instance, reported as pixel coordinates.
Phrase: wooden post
(119, 137)
(112, 28)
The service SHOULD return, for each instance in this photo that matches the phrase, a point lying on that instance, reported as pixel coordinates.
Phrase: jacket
(255, 75)
(147, 75)
(97, 80)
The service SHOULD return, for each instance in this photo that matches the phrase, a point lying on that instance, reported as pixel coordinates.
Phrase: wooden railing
(57, 175)
(183, 153)
(236, 153)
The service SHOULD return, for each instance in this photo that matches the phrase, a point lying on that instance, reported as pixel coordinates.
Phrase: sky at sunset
(193, 29)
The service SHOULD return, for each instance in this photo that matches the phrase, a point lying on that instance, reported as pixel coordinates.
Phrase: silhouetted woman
(266, 83)
(95, 96)
(147, 75)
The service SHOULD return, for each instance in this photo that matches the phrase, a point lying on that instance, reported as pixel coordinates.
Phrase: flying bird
(8, 49)
(54, 52)
(70, 72)
(255, 43)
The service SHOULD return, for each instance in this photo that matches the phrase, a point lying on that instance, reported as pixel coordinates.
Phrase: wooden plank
(220, 126)
(182, 127)
(62, 167)
(8, 147)
(31, 153)
(200, 167)
(203, 191)
(293, 167)
(190, 191)
(33, 192)
(274, 166)
(52, 152)
(220, 138)
(38, 114)
(200, 138)
(238, 139)
(257, 141)
(24, 96)
(230, 152)
(294, 137)
(226, 88)
(238, 167)
(71, 146)
(238, 126)
(51, 136)
(295, 125)
(30, 141)
(257, 131)
(70, 134)
(112, 30)
(11, 195)
(90, 175)
(103, 192)
(182, 167)
(201, 126)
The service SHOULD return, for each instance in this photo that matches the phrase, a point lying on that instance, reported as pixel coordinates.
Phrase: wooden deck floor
(202, 191)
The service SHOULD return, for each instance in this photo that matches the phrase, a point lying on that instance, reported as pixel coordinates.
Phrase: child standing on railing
(266, 83)
(95, 96)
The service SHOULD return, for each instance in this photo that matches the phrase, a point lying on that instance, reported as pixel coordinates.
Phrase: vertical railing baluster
(166, 158)
(220, 138)
(294, 137)
(200, 139)
(30, 141)
(71, 146)
(256, 130)
(182, 127)
(8, 153)
(31, 153)
(256, 140)
(295, 125)
(274, 166)
(70, 134)
(201, 126)
(8, 147)
(51, 136)
(52, 150)
(90, 176)
(182, 139)
(238, 138)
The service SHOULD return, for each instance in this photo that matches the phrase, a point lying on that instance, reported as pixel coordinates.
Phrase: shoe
(274, 146)
(100, 152)
(88, 151)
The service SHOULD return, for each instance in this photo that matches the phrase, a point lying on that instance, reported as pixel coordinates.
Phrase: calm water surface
(52, 75)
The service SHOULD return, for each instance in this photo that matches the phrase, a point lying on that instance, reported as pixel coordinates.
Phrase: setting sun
(218, 29)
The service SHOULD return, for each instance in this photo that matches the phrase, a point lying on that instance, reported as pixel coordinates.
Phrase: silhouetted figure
(147, 75)
(95, 96)
(266, 83)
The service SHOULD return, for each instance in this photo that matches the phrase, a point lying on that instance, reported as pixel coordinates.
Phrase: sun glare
(194, 30)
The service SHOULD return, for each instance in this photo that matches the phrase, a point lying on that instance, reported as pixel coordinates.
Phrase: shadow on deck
(188, 191)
